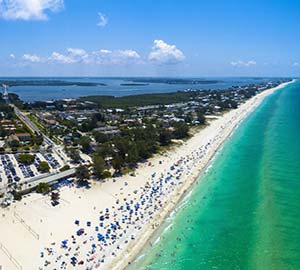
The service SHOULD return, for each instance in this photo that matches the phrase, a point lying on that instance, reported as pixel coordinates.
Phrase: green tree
(43, 167)
(165, 137)
(85, 143)
(82, 173)
(26, 159)
(14, 144)
(74, 155)
(98, 166)
(65, 168)
(188, 118)
(201, 118)
(117, 163)
(181, 130)
(43, 188)
(132, 155)
(38, 139)
(100, 137)
(105, 150)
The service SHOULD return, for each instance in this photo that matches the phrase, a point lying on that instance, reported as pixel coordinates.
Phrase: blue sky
(149, 38)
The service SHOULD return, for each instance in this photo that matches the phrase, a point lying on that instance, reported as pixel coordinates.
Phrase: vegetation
(82, 173)
(65, 168)
(98, 166)
(73, 154)
(26, 159)
(42, 188)
(181, 130)
(17, 196)
(175, 81)
(132, 146)
(85, 144)
(137, 100)
(43, 167)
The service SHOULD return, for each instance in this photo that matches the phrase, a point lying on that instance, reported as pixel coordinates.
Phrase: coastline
(36, 212)
(134, 250)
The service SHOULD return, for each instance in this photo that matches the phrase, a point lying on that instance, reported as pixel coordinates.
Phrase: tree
(100, 137)
(38, 139)
(105, 150)
(188, 118)
(43, 188)
(74, 155)
(17, 196)
(43, 167)
(181, 130)
(98, 166)
(98, 117)
(165, 137)
(117, 163)
(201, 118)
(14, 144)
(132, 155)
(82, 173)
(3, 132)
(65, 168)
(106, 174)
(88, 125)
(85, 144)
(26, 159)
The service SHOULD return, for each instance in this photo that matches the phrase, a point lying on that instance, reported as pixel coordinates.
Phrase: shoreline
(174, 201)
(85, 205)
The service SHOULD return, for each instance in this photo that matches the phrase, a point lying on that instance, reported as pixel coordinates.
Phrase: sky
(188, 38)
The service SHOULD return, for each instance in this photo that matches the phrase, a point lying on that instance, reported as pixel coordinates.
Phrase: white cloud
(103, 51)
(129, 54)
(97, 57)
(28, 9)
(12, 56)
(60, 58)
(164, 53)
(243, 63)
(78, 55)
(77, 52)
(32, 58)
(103, 20)
(114, 57)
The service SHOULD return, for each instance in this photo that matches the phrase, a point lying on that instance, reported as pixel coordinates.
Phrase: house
(23, 136)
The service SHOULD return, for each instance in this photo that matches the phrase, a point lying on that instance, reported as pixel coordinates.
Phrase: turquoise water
(244, 212)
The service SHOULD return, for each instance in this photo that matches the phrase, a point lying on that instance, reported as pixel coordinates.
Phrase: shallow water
(244, 213)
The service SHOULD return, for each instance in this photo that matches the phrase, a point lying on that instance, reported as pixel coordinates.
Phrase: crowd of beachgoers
(96, 244)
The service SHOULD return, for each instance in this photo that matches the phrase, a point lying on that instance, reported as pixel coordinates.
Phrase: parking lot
(12, 171)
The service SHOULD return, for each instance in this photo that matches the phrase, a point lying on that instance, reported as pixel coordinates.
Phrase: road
(32, 126)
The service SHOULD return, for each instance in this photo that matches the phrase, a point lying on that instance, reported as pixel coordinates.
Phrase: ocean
(244, 212)
(114, 87)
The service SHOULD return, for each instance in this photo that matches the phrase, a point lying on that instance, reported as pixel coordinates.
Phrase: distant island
(134, 84)
(175, 81)
(48, 83)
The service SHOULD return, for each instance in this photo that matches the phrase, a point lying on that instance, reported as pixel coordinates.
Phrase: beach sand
(27, 227)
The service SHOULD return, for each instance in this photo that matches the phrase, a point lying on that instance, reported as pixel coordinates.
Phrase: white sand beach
(115, 218)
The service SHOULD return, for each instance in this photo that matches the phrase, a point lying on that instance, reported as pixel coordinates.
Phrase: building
(5, 93)
(23, 136)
